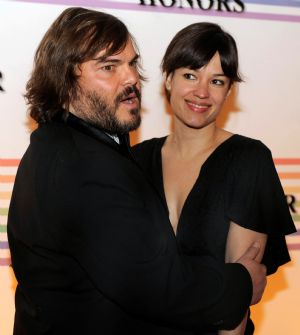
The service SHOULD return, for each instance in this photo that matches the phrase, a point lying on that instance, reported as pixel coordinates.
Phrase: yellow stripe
(291, 189)
(5, 195)
(3, 212)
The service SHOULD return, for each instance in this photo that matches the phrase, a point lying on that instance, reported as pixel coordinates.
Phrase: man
(92, 248)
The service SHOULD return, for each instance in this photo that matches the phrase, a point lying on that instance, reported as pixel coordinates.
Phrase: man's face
(109, 91)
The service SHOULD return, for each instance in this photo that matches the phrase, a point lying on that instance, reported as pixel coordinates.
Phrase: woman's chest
(203, 224)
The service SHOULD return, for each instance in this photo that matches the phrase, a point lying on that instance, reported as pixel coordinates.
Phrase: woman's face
(197, 96)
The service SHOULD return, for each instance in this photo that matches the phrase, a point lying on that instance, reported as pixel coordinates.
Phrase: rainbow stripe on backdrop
(288, 170)
(289, 173)
(8, 168)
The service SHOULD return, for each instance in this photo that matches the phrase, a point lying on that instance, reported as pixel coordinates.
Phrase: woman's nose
(202, 90)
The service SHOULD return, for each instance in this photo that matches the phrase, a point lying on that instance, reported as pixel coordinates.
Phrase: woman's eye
(189, 76)
(218, 82)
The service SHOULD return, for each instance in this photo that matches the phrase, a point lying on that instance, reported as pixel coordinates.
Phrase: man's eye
(108, 67)
(134, 63)
(189, 76)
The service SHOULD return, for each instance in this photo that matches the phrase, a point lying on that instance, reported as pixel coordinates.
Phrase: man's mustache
(125, 94)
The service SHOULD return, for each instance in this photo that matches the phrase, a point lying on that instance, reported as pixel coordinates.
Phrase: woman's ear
(168, 83)
(229, 91)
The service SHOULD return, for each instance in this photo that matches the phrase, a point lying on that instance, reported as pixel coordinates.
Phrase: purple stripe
(4, 245)
(296, 233)
(286, 3)
(5, 261)
(161, 9)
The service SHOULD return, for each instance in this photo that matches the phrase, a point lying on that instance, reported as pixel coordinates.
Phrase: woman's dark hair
(195, 45)
(76, 36)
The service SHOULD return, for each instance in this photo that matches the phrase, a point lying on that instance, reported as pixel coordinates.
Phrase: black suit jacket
(93, 250)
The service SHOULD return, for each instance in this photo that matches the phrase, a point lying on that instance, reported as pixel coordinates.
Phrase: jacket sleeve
(121, 236)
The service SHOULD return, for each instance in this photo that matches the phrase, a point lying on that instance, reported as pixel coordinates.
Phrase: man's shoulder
(73, 149)
(147, 147)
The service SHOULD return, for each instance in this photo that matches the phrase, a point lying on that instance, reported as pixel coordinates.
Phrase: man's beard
(93, 108)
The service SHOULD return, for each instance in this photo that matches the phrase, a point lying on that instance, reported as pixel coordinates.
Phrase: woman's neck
(189, 142)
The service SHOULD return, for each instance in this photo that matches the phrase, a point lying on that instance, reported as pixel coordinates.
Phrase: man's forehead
(107, 53)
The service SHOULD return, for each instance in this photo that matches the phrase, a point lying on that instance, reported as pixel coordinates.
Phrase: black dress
(238, 182)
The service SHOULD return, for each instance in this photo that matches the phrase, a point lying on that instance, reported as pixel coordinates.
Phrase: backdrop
(265, 106)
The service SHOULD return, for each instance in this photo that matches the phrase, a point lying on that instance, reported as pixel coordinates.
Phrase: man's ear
(77, 70)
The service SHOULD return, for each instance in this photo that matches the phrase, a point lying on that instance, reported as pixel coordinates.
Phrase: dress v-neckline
(197, 180)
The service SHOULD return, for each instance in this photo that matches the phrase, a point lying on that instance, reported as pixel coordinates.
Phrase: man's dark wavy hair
(76, 36)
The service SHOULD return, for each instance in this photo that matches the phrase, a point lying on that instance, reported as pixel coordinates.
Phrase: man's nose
(131, 76)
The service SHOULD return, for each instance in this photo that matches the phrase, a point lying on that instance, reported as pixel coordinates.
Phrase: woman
(221, 189)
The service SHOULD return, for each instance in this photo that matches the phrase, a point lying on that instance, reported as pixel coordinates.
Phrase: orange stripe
(7, 178)
(9, 162)
(287, 161)
(289, 175)
(5, 195)
(291, 189)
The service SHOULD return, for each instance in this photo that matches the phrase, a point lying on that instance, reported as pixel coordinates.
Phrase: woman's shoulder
(249, 147)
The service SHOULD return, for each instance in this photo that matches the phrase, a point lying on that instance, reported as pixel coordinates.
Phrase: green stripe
(297, 203)
(3, 228)
(3, 211)
(296, 217)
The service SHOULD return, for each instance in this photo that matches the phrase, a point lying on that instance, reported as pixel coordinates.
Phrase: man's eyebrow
(110, 59)
(106, 59)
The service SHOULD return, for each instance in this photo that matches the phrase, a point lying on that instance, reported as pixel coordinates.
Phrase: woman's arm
(238, 241)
